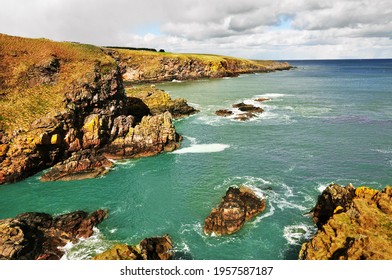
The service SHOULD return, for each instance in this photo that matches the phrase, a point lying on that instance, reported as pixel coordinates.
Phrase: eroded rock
(237, 206)
(352, 224)
(153, 248)
(33, 235)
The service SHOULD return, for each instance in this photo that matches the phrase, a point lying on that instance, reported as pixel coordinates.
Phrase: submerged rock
(153, 248)
(224, 113)
(352, 224)
(32, 235)
(237, 206)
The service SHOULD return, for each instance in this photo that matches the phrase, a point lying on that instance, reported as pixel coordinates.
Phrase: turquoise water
(327, 121)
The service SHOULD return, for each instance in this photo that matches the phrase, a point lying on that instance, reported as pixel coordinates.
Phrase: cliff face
(353, 223)
(61, 98)
(144, 66)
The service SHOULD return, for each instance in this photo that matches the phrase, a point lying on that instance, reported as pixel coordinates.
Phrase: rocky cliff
(59, 100)
(353, 223)
(145, 66)
(65, 104)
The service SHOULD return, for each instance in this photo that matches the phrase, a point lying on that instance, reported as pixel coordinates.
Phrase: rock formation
(352, 224)
(237, 206)
(89, 112)
(139, 66)
(159, 101)
(249, 111)
(154, 248)
(33, 236)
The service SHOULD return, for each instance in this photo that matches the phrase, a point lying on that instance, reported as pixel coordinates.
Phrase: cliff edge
(353, 224)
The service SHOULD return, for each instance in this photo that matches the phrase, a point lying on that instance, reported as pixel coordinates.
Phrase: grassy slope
(22, 97)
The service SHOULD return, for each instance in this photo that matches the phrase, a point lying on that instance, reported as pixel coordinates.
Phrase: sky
(258, 29)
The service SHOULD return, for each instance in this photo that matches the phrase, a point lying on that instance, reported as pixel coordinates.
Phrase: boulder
(237, 206)
(248, 108)
(262, 99)
(81, 165)
(353, 224)
(153, 248)
(33, 235)
(223, 112)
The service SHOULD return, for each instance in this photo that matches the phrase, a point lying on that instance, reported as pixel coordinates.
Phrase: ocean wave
(202, 148)
(383, 151)
(297, 234)
(271, 95)
(86, 248)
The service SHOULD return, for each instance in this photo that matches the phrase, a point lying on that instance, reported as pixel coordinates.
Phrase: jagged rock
(245, 116)
(224, 113)
(332, 197)
(248, 108)
(33, 235)
(81, 165)
(159, 101)
(359, 226)
(262, 99)
(154, 248)
(237, 206)
(154, 134)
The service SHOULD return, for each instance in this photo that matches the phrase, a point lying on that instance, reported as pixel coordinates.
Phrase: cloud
(249, 28)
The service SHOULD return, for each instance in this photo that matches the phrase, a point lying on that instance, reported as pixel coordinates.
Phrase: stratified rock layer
(237, 206)
(31, 236)
(352, 224)
(153, 248)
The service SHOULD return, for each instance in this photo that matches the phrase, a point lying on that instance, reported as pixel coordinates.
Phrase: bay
(326, 121)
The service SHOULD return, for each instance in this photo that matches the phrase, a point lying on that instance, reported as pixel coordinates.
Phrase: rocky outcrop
(154, 248)
(33, 236)
(247, 111)
(159, 101)
(237, 206)
(153, 135)
(81, 165)
(353, 223)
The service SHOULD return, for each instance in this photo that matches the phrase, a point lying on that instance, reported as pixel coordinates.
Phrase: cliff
(60, 99)
(353, 223)
(147, 66)
(65, 104)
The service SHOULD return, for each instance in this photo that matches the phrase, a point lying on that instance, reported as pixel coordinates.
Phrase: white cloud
(250, 28)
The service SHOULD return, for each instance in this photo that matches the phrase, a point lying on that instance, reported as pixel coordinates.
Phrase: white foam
(85, 248)
(193, 140)
(271, 95)
(297, 234)
(382, 151)
(176, 81)
(202, 148)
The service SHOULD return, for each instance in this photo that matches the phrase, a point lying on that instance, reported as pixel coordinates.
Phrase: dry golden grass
(22, 101)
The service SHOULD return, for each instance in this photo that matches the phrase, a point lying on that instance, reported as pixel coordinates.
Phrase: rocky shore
(353, 224)
(40, 236)
(62, 101)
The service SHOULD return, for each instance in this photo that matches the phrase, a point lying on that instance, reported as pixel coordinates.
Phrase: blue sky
(261, 29)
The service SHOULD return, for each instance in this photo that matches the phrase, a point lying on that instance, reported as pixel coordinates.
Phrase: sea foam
(202, 148)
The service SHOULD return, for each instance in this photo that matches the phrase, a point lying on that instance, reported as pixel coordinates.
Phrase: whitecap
(202, 148)
(176, 81)
(86, 248)
(297, 234)
(193, 140)
(271, 95)
(382, 151)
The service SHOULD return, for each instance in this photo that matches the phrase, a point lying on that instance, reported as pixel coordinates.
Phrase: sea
(326, 121)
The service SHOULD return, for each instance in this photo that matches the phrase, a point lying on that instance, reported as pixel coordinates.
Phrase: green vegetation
(35, 75)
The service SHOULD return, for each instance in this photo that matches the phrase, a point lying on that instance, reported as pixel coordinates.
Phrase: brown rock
(358, 228)
(237, 206)
(224, 113)
(262, 99)
(245, 117)
(248, 108)
(153, 248)
(39, 236)
(81, 165)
